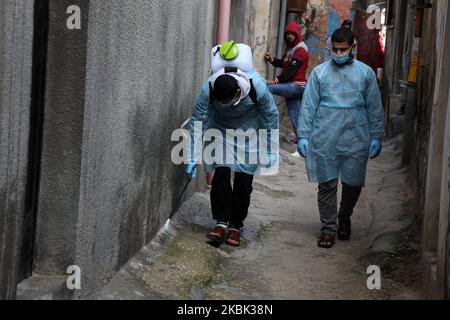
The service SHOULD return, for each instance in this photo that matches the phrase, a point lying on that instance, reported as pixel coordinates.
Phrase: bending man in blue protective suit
(234, 101)
(341, 125)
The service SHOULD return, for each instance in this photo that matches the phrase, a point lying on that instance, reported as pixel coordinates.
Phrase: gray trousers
(327, 198)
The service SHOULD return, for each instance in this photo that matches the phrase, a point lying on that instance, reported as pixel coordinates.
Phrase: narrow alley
(108, 109)
(279, 258)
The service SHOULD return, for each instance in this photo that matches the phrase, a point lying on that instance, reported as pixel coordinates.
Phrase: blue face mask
(342, 59)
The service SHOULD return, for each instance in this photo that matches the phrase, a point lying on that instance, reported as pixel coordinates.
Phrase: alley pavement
(279, 258)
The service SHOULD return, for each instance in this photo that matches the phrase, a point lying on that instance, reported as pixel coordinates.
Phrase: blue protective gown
(341, 113)
(246, 115)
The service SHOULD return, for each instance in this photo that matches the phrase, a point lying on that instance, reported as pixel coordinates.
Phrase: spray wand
(189, 176)
(166, 225)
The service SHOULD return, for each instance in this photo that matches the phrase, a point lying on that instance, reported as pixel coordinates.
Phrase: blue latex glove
(302, 147)
(191, 170)
(375, 148)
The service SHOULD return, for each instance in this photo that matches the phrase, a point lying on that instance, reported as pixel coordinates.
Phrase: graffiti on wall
(342, 8)
(319, 21)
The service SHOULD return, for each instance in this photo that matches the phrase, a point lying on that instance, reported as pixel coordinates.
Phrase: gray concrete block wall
(62, 140)
(16, 39)
(237, 14)
(242, 27)
(256, 24)
(145, 63)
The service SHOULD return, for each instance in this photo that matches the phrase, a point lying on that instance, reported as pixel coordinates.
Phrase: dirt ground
(279, 258)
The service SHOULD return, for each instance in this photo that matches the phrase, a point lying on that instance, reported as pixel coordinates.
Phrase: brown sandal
(233, 238)
(217, 234)
(326, 241)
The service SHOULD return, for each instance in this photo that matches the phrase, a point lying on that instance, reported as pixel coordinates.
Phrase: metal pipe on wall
(281, 27)
(223, 21)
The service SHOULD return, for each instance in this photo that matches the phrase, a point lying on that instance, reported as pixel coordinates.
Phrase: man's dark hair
(343, 35)
(225, 88)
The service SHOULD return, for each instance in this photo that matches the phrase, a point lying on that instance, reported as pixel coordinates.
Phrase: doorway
(40, 41)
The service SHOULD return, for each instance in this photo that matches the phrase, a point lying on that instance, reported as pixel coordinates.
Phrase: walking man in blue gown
(340, 127)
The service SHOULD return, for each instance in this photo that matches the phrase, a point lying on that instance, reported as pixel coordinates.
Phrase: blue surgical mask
(342, 59)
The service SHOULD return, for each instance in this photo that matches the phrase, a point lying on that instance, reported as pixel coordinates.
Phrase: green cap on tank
(229, 50)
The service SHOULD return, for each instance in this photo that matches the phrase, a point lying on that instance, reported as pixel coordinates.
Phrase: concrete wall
(266, 25)
(256, 24)
(399, 45)
(242, 17)
(427, 127)
(409, 94)
(443, 252)
(16, 39)
(421, 158)
(146, 61)
(62, 140)
(133, 75)
(419, 105)
(436, 206)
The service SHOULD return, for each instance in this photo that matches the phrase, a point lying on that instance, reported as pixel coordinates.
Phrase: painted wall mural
(323, 17)
(319, 22)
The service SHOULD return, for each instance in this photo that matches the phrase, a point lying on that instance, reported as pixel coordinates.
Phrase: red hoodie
(295, 62)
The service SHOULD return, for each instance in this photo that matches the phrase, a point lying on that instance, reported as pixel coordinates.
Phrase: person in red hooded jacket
(291, 83)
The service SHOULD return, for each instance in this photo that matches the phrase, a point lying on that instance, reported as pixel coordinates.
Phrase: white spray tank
(231, 54)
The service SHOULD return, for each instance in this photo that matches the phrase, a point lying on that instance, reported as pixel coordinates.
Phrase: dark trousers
(231, 204)
(327, 198)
